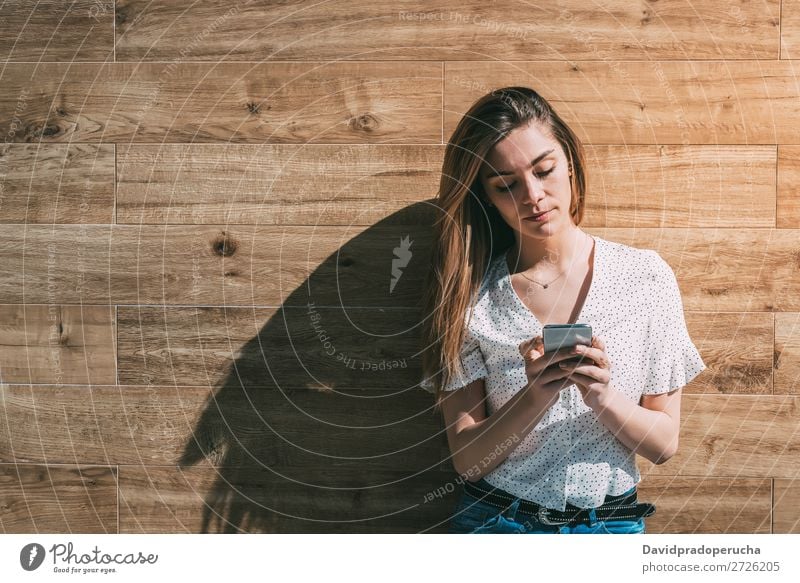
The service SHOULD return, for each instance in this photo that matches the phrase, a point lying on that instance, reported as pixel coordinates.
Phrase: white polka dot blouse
(634, 305)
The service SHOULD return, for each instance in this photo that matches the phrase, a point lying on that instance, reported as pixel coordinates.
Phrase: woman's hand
(592, 377)
(545, 377)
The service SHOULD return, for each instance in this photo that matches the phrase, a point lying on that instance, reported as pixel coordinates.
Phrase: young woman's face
(527, 173)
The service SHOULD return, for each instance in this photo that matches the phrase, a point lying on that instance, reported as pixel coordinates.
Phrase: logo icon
(31, 556)
(401, 259)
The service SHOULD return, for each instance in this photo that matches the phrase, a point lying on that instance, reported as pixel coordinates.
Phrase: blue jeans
(473, 516)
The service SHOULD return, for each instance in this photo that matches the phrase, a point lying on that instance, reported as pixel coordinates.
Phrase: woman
(545, 442)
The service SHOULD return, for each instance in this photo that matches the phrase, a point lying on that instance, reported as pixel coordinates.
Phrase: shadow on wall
(318, 424)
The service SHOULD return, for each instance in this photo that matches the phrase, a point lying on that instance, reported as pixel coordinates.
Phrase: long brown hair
(468, 232)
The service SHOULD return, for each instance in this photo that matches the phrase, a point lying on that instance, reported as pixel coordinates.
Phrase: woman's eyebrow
(493, 173)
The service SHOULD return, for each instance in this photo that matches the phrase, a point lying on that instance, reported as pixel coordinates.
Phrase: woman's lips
(542, 217)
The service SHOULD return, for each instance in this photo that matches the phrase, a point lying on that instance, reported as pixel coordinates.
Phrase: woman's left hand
(591, 377)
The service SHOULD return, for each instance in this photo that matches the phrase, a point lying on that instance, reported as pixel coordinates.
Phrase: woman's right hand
(545, 377)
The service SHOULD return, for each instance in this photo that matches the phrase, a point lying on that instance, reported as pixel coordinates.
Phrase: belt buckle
(541, 516)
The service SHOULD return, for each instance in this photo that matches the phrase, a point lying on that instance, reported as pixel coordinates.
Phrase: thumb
(532, 349)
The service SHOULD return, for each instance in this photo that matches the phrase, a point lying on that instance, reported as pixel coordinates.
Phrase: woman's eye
(513, 184)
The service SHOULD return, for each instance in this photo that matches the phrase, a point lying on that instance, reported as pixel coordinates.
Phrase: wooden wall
(201, 201)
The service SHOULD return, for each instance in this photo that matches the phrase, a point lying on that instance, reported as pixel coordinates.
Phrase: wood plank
(787, 353)
(336, 102)
(56, 183)
(742, 436)
(58, 344)
(787, 507)
(788, 203)
(736, 270)
(688, 505)
(737, 349)
(326, 348)
(437, 29)
(256, 499)
(63, 499)
(647, 102)
(680, 186)
(790, 29)
(220, 265)
(295, 431)
(54, 30)
(319, 184)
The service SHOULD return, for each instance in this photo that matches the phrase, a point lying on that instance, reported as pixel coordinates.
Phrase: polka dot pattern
(634, 305)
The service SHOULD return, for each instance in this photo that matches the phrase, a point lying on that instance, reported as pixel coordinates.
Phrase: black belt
(622, 507)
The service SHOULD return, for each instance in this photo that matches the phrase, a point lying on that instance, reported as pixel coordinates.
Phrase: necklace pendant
(545, 286)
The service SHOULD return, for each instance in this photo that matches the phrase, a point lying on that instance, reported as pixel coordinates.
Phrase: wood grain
(787, 505)
(202, 102)
(695, 505)
(258, 500)
(325, 348)
(56, 183)
(440, 29)
(737, 348)
(232, 424)
(58, 344)
(647, 102)
(213, 265)
(54, 30)
(739, 436)
(646, 186)
(63, 499)
(787, 354)
(747, 270)
(314, 184)
(788, 202)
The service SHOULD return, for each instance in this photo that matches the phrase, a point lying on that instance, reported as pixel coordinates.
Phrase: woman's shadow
(319, 425)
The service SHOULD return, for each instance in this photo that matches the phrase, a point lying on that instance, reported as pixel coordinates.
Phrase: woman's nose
(534, 191)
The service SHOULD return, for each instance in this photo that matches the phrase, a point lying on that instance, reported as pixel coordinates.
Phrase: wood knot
(253, 107)
(61, 112)
(365, 122)
(346, 261)
(46, 131)
(121, 16)
(224, 246)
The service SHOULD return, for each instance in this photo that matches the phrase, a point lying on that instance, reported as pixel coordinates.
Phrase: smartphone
(556, 336)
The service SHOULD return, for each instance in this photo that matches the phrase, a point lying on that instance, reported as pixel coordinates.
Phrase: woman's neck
(555, 253)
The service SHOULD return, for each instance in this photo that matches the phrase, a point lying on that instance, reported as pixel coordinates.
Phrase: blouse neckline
(505, 278)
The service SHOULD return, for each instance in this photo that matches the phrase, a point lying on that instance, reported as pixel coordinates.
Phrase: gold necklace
(544, 285)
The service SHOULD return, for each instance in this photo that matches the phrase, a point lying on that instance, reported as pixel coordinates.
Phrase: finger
(588, 375)
(597, 342)
(594, 353)
(532, 349)
(549, 374)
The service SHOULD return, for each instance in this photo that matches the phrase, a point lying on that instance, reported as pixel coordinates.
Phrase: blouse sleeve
(671, 358)
(473, 362)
